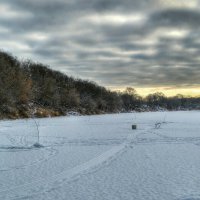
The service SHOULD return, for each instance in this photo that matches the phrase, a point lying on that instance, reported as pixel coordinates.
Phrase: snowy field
(102, 158)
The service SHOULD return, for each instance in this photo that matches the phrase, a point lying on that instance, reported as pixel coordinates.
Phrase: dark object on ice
(38, 145)
(158, 125)
(134, 127)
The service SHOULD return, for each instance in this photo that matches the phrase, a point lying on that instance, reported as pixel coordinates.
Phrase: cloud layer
(140, 43)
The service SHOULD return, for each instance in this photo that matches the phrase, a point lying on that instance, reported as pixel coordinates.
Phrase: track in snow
(44, 185)
(148, 138)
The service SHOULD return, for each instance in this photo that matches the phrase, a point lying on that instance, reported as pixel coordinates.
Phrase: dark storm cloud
(174, 17)
(117, 43)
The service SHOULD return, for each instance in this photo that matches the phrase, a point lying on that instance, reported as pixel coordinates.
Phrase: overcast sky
(117, 43)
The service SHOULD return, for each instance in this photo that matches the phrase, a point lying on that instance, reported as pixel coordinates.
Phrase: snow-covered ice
(101, 157)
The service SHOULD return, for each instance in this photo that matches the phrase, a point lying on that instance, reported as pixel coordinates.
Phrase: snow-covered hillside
(101, 157)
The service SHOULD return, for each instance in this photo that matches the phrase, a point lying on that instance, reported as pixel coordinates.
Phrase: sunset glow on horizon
(191, 92)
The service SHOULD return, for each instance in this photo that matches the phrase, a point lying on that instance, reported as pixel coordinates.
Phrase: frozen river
(101, 157)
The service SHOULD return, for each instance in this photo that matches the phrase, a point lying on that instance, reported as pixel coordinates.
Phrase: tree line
(28, 88)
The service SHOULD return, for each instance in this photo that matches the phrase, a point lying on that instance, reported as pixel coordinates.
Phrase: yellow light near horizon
(170, 91)
(193, 92)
